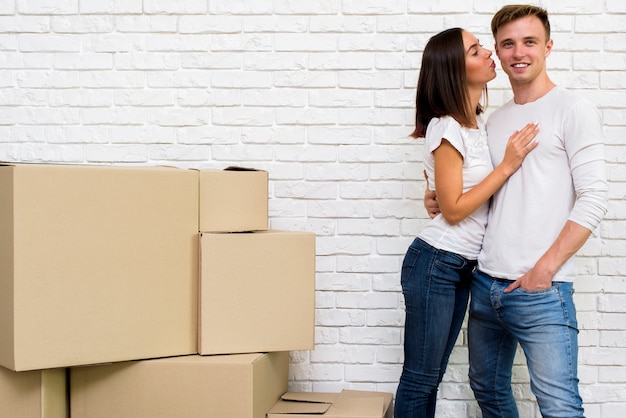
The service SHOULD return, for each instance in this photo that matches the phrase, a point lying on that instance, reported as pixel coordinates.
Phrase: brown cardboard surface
(97, 264)
(346, 404)
(233, 200)
(230, 386)
(34, 394)
(257, 292)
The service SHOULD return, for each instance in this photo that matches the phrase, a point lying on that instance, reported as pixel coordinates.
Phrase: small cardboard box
(34, 394)
(97, 264)
(345, 404)
(257, 292)
(231, 386)
(233, 200)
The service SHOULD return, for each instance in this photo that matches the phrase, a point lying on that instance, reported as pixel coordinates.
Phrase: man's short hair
(513, 12)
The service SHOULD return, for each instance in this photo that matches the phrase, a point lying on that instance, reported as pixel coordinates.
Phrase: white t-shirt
(466, 237)
(564, 178)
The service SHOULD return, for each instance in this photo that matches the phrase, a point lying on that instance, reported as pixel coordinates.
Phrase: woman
(437, 267)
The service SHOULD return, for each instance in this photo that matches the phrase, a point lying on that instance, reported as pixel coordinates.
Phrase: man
(522, 291)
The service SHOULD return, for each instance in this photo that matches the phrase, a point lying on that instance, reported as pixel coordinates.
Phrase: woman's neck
(474, 97)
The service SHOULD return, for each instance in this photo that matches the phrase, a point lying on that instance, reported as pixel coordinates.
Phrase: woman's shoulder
(442, 126)
(445, 127)
(444, 121)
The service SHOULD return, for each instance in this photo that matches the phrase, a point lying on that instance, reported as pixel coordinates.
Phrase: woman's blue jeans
(435, 284)
(544, 324)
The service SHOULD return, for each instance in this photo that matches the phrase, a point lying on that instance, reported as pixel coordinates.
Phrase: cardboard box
(34, 394)
(257, 292)
(97, 264)
(346, 404)
(232, 386)
(233, 200)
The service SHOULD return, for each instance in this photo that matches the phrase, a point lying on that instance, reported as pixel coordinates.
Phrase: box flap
(297, 407)
(346, 404)
(303, 403)
(317, 397)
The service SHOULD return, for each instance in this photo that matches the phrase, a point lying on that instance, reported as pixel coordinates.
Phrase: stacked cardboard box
(228, 386)
(233, 200)
(170, 279)
(256, 292)
(97, 264)
(101, 265)
(256, 286)
(33, 394)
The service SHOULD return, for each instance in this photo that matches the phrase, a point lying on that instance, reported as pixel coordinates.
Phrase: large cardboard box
(257, 292)
(97, 264)
(345, 404)
(233, 200)
(34, 394)
(231, 386)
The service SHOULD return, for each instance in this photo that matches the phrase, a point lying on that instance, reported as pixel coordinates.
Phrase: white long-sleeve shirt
(564, 178)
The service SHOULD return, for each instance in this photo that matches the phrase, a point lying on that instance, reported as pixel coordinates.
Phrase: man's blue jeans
(544, 324)
(435, 284)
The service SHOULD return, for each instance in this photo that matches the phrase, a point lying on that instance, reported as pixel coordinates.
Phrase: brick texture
(320, 94)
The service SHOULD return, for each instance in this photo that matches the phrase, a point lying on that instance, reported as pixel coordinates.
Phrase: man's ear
(549, 46)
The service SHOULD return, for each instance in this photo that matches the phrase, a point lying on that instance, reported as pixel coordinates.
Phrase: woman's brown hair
(442, 88)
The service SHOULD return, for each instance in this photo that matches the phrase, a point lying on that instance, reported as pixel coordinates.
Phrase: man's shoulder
(557, 99)
(572, 103)
(565, 93)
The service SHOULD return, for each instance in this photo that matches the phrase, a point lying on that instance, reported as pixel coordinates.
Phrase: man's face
(523, 48)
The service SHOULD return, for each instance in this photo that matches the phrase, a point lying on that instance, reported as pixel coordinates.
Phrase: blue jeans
(435, 284)
(544, 324)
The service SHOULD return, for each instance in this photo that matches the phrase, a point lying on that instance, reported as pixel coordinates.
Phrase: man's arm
(569, 241)
(430, 200)
(585, 149)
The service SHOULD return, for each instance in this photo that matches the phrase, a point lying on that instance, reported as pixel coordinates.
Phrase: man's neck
(529, 92)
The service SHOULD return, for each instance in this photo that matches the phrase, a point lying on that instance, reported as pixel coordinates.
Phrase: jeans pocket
(408, 264)
(451, 260)
(539, 292)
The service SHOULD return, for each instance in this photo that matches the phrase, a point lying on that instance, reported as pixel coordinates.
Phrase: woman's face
(479, 65)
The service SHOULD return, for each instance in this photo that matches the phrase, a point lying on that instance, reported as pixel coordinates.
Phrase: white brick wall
(320, 94)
